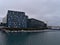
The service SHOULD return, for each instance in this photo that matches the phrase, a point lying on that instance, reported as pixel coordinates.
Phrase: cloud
(47, 10)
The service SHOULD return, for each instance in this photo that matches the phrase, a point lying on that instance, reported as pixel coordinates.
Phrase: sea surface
(26, 38)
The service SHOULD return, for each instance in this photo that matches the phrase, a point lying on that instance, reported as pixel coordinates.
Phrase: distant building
(2, 25)
(4, 20)
(16, 19)
(33, 23)
(54, 27)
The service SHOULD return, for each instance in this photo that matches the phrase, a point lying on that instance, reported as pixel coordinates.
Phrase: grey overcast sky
(46, 10)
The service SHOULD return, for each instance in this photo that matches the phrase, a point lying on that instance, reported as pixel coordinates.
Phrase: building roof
(36, 20)
(15, 11)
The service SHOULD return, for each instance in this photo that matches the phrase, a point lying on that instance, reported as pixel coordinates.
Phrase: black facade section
(33, 23)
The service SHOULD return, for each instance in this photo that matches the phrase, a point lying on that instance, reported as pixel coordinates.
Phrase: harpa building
(17, 19)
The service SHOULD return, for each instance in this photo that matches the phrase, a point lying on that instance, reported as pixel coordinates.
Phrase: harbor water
(26, 38)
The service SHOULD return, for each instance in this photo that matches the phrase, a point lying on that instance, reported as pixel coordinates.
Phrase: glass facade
(16, 19)
(33, 23)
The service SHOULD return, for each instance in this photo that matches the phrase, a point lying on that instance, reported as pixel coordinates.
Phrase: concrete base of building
(23, 28)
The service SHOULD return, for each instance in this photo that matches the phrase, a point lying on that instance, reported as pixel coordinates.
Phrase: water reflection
(3, 39)
(45, 38)
(17, 38)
